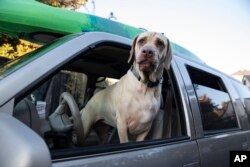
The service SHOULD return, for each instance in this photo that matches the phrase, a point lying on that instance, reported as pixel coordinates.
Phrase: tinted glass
(216, 109)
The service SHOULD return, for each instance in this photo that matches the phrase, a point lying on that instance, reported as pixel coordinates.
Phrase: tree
(12, 47)
(69, 4)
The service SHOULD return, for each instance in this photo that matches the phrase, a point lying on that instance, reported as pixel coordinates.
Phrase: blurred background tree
(69, 4)
(13, 47)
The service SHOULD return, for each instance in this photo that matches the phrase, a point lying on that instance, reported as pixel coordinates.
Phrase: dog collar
(148, 83)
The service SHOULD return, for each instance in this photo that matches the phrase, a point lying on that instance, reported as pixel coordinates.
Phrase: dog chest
(140, 114)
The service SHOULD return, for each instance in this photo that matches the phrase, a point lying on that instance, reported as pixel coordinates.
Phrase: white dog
(132, 103)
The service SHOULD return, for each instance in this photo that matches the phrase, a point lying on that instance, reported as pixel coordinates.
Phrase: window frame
(193, 101)
(206, 129)
(145, 144)
(223, 89)
(92, 150)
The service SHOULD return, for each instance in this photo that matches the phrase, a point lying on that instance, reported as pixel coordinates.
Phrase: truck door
(218, 130)
(172, 145)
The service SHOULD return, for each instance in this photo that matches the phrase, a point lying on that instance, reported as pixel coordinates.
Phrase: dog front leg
(88, 119)
(122, 132)
(142, 136)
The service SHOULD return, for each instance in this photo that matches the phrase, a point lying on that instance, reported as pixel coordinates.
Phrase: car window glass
(15, 64)
(215, 105)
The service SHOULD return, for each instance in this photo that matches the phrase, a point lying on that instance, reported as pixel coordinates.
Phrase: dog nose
(148, 52)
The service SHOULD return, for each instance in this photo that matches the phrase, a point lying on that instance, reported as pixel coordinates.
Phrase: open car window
(82, 78)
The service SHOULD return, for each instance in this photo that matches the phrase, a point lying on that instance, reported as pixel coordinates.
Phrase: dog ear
(132, 51)
(168, 56)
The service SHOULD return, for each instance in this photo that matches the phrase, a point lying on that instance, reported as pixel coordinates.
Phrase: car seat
(26, 112)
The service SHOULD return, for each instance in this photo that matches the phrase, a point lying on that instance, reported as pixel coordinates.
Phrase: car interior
(52, 107)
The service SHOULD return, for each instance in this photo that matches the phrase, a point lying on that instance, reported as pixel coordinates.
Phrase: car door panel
(214, 148)
(20, 146)
(176, 154)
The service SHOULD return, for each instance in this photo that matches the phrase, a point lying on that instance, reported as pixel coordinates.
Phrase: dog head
(151, 52)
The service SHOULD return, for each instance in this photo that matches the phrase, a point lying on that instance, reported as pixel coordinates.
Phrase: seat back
(167, 122)
(156, 130)
(26, 112)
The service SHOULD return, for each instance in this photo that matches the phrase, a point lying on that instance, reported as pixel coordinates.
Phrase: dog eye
(160, 43)
(141, 41)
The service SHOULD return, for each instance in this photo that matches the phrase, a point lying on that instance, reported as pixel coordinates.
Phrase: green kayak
(24, 17)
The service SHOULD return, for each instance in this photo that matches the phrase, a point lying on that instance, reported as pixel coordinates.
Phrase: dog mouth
(147, 65)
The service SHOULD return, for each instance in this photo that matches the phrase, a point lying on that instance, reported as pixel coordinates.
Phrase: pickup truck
(204, 113)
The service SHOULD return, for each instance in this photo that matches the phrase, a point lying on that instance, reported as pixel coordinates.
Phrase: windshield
(10, 66)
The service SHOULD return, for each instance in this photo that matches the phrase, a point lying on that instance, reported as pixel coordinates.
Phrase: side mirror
(20, 146)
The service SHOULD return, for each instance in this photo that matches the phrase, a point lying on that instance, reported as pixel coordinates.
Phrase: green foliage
(12, 47)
